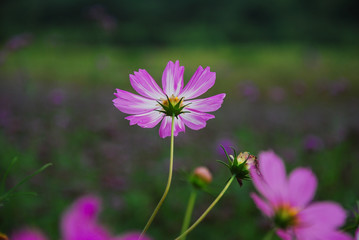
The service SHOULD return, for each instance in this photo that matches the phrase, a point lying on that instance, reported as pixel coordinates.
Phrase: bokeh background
(290, 70)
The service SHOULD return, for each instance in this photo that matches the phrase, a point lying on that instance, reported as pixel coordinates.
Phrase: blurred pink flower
(79, 222)
(249, 90)
(227, 143)
(313, 143)
(154, 105)
(28, 234)
(277, 94)
(286, 200)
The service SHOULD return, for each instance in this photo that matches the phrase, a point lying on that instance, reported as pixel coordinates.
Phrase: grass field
(55, 106)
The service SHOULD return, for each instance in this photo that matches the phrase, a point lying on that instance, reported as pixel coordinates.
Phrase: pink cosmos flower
(286, 200)
(79, 222)
(28, 234)
(154, 105)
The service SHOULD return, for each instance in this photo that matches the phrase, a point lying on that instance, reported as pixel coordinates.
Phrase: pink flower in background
(28, 234)
(313, 143)
(79, 222)
(227, 143)
(286, 200)
(154, 105)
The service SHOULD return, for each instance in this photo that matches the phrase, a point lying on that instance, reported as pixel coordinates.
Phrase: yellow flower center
(172, 100)
(172, 106)
(286, 216)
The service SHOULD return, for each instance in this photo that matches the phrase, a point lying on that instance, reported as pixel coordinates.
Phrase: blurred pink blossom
(28, 234)
(287, 201)
(79, 222)
(313, 143)
(227, 143)
(249, 90)
(277, 94)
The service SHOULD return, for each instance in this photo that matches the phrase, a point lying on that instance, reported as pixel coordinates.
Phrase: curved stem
(199, 220)
(168, 183)
(269, 235)
(189, 210)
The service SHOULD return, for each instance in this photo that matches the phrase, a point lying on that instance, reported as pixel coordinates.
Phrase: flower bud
(240, 165)
(201, 177)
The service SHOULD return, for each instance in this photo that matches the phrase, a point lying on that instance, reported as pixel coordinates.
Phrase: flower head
(240, 164)
(79, 222)
(155, 105)
(201, 177)
(287, 202)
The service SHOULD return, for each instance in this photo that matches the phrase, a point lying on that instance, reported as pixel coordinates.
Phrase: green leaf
(14, 160)
(12, 190)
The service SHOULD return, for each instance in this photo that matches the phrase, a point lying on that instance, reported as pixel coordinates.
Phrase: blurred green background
(290, 70)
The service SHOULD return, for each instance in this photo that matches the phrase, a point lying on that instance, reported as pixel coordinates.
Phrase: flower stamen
(286, 216)
(172, 106)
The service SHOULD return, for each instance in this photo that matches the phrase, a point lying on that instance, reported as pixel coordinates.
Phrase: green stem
(199, 220)
(2, 188)
(189, 210)
(269, 235)
(168, 183)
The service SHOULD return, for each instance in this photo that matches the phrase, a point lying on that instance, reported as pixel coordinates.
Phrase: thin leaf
(14, 160)
(24, 180)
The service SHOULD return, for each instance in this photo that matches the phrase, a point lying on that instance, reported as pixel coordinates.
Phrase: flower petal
(261, 186)
(284, 235)
(195, 120)
(323, 216)
(133, 104)
(28, 234)
(207, 104)
(80, 221)
(165, 129)
(146, 120)
(337, 235)
(145, 85)
(302, 185)
(274, 174)
(172, 79)
(321, 234)
(201, 81)
(262, 205)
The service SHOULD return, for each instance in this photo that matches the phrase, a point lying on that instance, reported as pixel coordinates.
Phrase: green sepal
(239, 170)
(223, 163)
(173, 110)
